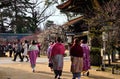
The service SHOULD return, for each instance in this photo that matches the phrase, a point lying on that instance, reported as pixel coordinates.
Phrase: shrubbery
(95, 56)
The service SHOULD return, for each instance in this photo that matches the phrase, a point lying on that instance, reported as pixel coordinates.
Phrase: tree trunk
(109, 60)
(113, 56)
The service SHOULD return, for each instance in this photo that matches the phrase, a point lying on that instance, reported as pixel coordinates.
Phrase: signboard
(69, 39)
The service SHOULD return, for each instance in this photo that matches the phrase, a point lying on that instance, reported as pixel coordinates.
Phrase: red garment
(38, 46)
(58, 48)
(76, 51)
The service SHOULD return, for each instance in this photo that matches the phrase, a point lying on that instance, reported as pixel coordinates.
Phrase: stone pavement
(22, 70)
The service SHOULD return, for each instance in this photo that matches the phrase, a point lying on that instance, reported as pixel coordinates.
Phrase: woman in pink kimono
(86, 57)
(57, 55)
(33, 54)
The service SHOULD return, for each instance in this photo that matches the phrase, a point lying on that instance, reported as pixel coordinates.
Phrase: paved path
(8, 60)
(22, 70)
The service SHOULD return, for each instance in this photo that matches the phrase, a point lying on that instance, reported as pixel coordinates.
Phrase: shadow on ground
(11, 73)
(98, 77)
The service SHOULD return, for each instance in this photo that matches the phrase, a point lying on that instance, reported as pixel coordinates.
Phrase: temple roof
(73, 21)
(64, 5)
(77, 6)
(81, 6)
(77, 25)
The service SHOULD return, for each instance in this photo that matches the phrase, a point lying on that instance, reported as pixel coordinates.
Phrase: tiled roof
(82, 6)
(64, 5)
(72, 21)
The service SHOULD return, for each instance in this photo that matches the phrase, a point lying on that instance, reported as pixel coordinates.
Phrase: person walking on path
(39, 47)
(14, 48)
(76, 53)
(86, 57)
(18, 51)
(10, 47)
(33, 54)
(50, 64)
(25, 47)
(57, 55)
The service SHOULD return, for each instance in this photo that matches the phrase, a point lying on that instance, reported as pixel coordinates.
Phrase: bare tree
(41, 10)
(107, 19)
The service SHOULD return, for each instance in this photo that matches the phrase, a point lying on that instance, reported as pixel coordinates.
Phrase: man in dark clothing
(18, 51)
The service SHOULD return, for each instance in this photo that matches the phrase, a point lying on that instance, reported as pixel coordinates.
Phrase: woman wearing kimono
(33, 54)
(57, 55)
(86, 57)
(25, 47)
(76, 54)
(49, 55)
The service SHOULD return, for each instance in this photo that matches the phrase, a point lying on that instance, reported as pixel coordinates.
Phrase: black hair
(33, 42)
(59, 39)
(18, 40)
(26, 41)
(76, 41)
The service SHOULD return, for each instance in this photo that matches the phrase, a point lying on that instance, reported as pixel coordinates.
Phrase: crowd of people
(26, 49)
(79, 55)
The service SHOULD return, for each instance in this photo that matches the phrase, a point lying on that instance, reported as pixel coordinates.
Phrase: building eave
(64, 5)
(72, 21)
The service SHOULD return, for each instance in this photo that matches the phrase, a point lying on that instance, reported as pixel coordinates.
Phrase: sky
(57, 17)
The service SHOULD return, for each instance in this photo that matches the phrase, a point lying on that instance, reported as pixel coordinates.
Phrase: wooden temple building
(84, 7)
(87, 9)
(76, 28)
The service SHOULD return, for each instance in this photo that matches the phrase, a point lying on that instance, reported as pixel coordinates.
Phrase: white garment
(33, 47)
(25, 49)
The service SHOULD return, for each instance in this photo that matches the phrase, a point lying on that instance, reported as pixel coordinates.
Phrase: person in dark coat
(76, 53)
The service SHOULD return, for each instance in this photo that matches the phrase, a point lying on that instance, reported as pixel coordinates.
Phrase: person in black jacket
(10, 48)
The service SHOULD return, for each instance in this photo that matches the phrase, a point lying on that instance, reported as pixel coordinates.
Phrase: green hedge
(95, 56)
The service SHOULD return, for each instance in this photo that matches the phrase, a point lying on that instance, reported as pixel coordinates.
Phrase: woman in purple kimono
(86, 57)
(33, 54)
(49, 55)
